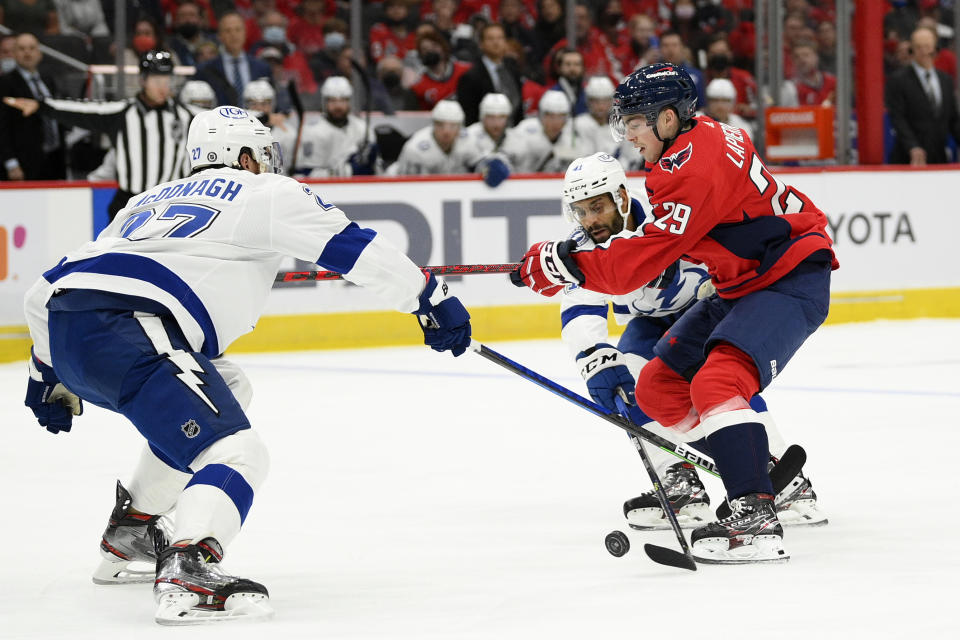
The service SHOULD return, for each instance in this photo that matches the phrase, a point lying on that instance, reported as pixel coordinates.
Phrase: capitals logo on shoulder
(677, 160)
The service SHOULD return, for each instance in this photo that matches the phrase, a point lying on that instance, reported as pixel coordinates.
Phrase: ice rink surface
(414, 495)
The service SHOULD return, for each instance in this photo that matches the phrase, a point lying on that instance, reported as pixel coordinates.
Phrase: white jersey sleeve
(325, 148)
(583, 313)
(208, 248)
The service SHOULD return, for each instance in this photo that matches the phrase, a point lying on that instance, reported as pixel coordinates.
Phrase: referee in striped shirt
(148, 131)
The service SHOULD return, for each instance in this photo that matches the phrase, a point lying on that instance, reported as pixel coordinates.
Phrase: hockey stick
(661, 555)
(442, 270)
(679, 450)
(298, 107)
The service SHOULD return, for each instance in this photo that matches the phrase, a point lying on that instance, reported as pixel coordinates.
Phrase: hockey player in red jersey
(769, 256)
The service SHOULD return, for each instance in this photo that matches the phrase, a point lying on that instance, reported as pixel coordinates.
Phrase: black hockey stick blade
(669, 557)
(790, 464)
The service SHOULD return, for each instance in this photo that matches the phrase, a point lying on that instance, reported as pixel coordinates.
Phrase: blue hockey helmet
(648, 91)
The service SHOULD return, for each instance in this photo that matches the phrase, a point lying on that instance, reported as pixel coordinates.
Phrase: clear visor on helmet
(621, 125)
(271, 159)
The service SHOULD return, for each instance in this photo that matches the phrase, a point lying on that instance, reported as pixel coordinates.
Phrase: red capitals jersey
(430, 91)
(384, 42)
(713, 201)
(824, 94)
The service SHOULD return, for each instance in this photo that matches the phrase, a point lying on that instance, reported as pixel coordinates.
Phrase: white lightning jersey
(481, 142)
(285, 135)
(583, 313)
(208, 248)
(530, 151)
(325, 148)
(597, 133)
(421, 155)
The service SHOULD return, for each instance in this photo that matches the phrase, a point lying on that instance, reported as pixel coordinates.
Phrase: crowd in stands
(416, 55)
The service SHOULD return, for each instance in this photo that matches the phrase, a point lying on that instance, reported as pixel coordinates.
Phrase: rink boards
(894, 234)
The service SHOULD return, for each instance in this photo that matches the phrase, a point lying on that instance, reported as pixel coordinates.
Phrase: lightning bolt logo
(189, 368)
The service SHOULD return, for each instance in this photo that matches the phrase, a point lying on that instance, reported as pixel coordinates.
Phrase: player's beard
(600, 233)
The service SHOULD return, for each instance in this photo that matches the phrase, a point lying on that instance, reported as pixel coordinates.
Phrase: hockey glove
(51, 402)
(547, 268)
(443, 318)
(605, 371)
(494, 171)
(363, 162)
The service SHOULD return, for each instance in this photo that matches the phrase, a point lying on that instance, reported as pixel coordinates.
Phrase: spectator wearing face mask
(308, 32)
(389, 94)
(440, 74)
(188, 32)
(642, 47)
(273, 29)
(146, 37)
(720, 65)
(325, 61)
(8, 46)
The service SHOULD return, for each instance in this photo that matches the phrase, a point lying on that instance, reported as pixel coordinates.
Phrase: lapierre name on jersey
(207, 248)
(715, 202)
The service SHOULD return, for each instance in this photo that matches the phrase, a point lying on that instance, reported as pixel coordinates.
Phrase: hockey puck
(617, 543)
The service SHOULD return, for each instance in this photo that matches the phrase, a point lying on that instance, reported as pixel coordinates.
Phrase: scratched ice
(413, 495)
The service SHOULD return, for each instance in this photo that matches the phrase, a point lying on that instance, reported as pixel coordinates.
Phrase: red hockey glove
(547, 268)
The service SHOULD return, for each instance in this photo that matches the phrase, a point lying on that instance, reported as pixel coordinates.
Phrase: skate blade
(763, 550)
(180, 609)
(689, 517)
(124, 572)
(803, 513)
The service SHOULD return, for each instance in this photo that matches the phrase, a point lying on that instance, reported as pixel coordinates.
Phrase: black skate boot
(687, 496)
(128, 545)
(191, 588)
(750, 534)
(797, 504)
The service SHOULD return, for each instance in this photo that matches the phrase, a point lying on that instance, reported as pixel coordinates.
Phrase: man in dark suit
(31, 148)
(494, 73)
(230, 72)
(921, 105)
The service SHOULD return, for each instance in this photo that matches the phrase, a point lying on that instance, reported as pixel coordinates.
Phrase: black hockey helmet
(156, 63)
(648, 91)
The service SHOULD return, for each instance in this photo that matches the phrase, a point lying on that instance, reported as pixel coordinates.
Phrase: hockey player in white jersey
(489, 134)
(338, 143)
(597, 201)
(198, 93)
(593, 124)
(260, 98)
(547, 142)
(136, 322)
(444, 148)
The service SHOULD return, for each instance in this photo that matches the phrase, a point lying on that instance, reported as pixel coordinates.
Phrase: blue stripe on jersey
(228, 480)
(582, 310)
(141, 268)
(621, 308)
(343, 250)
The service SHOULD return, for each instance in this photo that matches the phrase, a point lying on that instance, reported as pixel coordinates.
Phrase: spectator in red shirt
(392, 37)
(440, 74)
(719, 65)
(598, 57)
(273, 26)
(810, 86)
(642, 48)
(306, 33)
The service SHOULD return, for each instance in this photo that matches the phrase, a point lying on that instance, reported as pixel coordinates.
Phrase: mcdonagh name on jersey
(210, 188)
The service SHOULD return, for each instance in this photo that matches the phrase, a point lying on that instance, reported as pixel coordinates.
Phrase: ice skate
(687, 496)
(750, 534)
(191, 588)
(128, 545)
(797, 504)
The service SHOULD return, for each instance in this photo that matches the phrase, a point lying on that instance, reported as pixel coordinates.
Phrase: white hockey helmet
(217, 137)
(198, 93)
(599, 87)
(336, 87)
(447, 111)
(495, 104)
(721, 89)
(554, 101)
(591, 176)
(258, 91)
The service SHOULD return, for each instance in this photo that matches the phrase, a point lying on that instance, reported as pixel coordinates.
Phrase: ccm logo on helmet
(232, 112)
